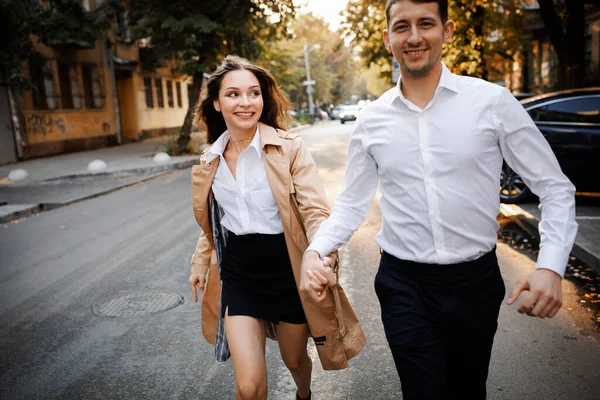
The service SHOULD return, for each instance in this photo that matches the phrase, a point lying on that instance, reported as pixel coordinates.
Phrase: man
(436, 143)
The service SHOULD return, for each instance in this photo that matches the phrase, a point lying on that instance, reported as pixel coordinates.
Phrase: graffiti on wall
(44, 124)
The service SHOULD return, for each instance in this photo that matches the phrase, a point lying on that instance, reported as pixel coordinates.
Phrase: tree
(332, 64)
(24, 23)
(565, 24)
(484, 28)
(198, 34)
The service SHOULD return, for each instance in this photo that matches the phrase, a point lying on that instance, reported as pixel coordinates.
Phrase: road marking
(588, 218)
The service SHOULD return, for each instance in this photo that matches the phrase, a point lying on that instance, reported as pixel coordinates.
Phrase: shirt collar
(218, 148)
(447, 81)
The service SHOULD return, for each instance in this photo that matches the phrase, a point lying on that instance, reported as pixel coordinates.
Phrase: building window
(170, 93)
(148, 92)
(159, 93)
(121, 28)
(65, 84)
(42, 77)
(178, 89)
(75, 93)
(91, 87)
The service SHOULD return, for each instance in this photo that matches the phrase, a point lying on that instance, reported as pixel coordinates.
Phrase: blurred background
(83, 74)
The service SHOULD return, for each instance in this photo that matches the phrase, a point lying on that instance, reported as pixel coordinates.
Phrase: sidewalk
(587, 242)
(60, 180)
(63, 179)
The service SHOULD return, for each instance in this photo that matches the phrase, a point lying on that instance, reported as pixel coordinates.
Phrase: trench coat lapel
(277, 166)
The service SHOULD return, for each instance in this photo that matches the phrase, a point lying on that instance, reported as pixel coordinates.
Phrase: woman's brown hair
(275, 107)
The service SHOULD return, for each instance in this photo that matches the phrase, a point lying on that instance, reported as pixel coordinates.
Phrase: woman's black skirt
(258, 280)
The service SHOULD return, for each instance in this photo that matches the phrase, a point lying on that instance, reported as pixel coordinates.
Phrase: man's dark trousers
(440, 322)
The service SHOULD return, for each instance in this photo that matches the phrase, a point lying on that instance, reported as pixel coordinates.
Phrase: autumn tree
(484, 28)
(197, 34)
(332, 64)
(565, 24)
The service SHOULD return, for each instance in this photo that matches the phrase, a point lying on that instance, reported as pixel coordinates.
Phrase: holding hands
(317, 275)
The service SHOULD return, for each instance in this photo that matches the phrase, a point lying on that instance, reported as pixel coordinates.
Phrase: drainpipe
(110, 63)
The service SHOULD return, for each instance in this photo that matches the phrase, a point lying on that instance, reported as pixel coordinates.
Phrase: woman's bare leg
(292, 340)
(246, 337)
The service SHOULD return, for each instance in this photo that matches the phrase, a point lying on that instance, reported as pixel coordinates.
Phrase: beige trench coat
(302, 203)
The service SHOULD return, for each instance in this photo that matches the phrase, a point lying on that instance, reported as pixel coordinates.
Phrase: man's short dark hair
(442, 8)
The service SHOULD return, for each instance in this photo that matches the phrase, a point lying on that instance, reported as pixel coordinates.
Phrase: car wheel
(512, 188)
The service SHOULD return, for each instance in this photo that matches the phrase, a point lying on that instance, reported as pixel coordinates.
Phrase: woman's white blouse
(247, 200)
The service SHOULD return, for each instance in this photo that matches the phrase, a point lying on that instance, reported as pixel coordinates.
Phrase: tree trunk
(478, 18)
(575, 72)
(568, 43)
(185, 133)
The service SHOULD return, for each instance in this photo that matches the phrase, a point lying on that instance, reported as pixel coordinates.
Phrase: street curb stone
(579, 250)
(9, 213)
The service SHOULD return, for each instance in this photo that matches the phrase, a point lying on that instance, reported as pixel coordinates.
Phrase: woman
(257, 189)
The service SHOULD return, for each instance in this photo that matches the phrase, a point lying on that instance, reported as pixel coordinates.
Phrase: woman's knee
(251, 387)
(296, 362)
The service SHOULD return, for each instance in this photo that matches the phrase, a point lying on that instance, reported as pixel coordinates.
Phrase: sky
(329, 10)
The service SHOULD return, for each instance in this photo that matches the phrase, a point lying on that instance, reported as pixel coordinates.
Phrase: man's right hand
(316, 275)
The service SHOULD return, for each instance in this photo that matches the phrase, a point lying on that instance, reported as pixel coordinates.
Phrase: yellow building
(93, 95)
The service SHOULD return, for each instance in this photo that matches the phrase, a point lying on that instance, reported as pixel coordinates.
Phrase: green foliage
(332, 64)
(62, 23)
(198, 34)
(364, 24)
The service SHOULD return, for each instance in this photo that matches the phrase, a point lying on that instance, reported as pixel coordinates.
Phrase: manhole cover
(138, 304)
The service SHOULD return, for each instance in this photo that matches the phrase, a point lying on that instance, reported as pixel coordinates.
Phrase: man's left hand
(545, 293)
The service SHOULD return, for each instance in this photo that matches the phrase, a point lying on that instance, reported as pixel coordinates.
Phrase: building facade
(90, 95)
(536, 70)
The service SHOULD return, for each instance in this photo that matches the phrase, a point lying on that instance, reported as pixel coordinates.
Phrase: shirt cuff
(553, 258)
(320, 247)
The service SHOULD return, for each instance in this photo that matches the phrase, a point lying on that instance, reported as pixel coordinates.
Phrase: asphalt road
(62, 268)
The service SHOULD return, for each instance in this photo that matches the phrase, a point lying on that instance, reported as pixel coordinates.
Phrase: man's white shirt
(439, 171)
(247, 200)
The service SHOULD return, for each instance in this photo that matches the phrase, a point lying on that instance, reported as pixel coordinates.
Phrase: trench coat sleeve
(201, 257)
(310, 194)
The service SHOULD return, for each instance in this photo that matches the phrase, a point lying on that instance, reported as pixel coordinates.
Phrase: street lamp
(309, 83)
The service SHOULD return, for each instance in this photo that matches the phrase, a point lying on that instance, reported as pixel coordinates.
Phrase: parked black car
(570, 122)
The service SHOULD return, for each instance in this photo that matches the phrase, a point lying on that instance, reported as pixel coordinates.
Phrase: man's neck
(419, 90)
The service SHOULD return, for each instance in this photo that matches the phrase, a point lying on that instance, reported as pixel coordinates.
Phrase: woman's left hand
(197, 281)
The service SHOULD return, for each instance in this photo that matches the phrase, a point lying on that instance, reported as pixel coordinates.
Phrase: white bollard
(18, 174)
(161, 157)
(97, 166)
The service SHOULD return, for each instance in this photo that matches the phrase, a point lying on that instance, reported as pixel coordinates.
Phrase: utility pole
(309, 83)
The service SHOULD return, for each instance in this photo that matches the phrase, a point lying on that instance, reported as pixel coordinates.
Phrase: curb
(299, 128)
(123, 172)
(579, 251)
(26, 210)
